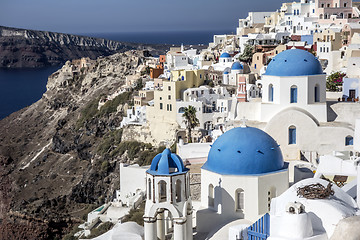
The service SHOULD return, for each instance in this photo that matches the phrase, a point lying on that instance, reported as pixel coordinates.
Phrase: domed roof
(226, 72)
(225, 55)
(294, 62)
(167, 163)
(244, 151)
(237, 66)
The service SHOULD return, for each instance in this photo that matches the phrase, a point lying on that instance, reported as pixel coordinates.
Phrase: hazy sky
(94, 16)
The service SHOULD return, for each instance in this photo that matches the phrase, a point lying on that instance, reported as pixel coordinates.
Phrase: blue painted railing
(260, 230)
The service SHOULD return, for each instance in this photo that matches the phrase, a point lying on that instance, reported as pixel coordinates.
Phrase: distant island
(22, 48)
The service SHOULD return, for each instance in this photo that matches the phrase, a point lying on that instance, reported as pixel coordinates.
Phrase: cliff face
(54, 154)
(28, 48)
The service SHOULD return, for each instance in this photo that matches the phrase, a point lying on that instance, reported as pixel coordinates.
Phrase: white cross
(243, 122)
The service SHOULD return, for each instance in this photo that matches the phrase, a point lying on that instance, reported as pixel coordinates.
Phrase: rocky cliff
(29, 48)
(60, 156)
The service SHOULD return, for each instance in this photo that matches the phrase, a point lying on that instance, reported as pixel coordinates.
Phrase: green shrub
(70, 235)
(111, 106)
(105, 165)
(90, 111)
(135, 215)
(110, 140)
(101, 229)
(334, 81)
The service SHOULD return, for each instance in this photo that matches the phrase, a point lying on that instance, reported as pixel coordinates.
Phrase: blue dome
(225, 55)
(237, 66)
(294, 62)
(226, 72)
(167, 163)
(244, 151)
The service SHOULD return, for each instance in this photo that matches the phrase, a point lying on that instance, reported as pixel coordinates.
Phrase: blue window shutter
(349, 141)
(292, 135)
(271, 94)
(293, 97)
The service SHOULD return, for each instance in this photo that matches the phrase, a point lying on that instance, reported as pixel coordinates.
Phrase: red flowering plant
(334, 81)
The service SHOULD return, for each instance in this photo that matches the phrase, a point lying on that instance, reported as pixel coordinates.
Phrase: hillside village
(261, 120)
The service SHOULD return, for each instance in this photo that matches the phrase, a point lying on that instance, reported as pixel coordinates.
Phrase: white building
(293, 107)
(205, 100)
(318, 218)
(244, 171)
(134, 116)
(168, 203)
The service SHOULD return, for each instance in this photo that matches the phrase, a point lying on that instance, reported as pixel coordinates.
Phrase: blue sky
(96, 16)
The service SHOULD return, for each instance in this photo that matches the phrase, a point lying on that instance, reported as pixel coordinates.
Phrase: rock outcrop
(56, 156)
(29, 48)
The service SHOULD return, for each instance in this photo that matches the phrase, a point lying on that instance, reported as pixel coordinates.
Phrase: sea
(22, 87)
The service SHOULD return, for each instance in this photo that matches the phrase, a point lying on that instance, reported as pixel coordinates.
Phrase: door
(352, 93)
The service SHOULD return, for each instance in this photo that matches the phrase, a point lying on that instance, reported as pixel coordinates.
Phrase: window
(297, 12)
(317, 93)
(169, 97)
(181, 110)
(211, 196)
(271, 93)
(239, 199)
(162, 191)
(178, 190)
(167, 107)
(170, 107)
(169, 88)
(161, 106)
(200, 76)
(293, 94)
(349, 141)
(160, 98)
(344, 4)
(292, 135)
(149, 189)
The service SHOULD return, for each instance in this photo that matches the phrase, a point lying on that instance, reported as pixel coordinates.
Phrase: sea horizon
(190, 37)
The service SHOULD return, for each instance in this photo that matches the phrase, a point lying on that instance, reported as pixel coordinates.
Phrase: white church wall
(346, 112)
(305, 95)
(249, 110)
(132, 178)
(255, 188)
(309, 136)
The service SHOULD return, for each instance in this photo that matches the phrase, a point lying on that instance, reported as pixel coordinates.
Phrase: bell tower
(168, 205)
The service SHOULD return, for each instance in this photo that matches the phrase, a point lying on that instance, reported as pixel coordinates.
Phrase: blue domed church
(293, 108)
(243, 172)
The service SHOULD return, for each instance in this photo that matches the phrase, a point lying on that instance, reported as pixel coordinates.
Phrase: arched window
(317, 93)
(297, 12)
(211, 196)
(271, 93)
(349, 140)
(292, 135)
(321, 16)
(149, 189)
(181, 110)
(293, 94)
(239, 199)
(271, 195)
(178, 190)
(162, 191)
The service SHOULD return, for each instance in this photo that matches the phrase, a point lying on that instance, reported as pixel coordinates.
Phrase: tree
(247, 54)
(334, 81)
(191, 120)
